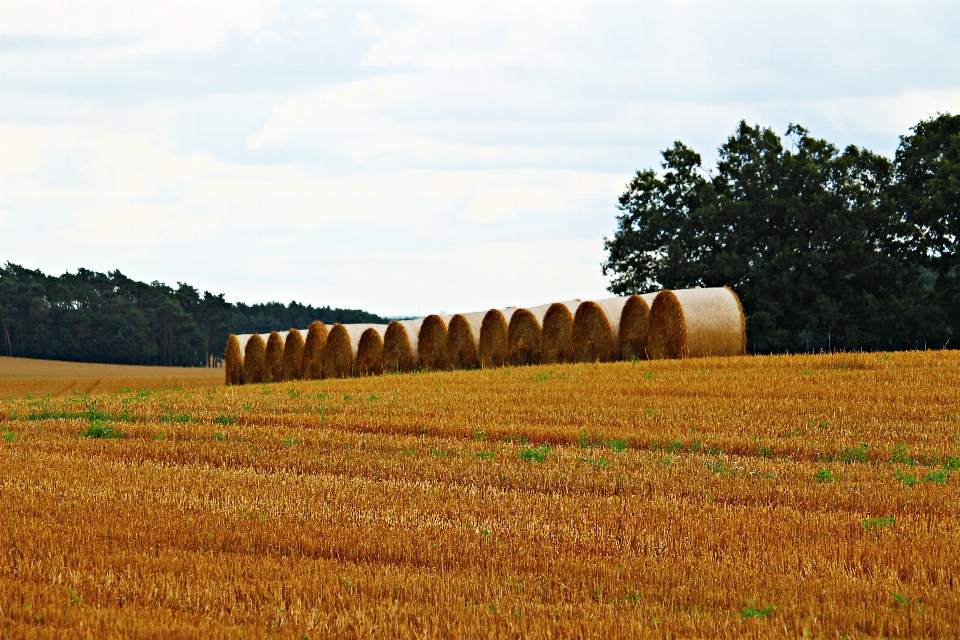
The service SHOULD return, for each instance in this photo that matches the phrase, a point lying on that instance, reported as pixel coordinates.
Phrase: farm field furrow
(750, 496)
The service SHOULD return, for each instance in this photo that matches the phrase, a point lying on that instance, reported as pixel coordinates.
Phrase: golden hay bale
(432, 344)
(293, 355)
(400, 345)
(254, 360)
(462, 333)
(312, 363)
(370, 353)
(493, 347)
(525, 337)
(340, 353)
(694, 323)
(233, 362)
(634, 321)
(596, 326)
(273, 369)
(557, 330)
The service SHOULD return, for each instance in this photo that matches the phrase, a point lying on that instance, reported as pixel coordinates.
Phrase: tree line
(109, 318)
(827, 248)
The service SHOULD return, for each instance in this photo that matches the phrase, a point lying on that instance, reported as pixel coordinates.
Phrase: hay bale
(370, 353)
(525, 336)
(254, 360)
(432, 344)
(557, 332)
(493, 346)
(596, 327)
(312, 363)
(400, 345)
(293, 355)
(340, 353)
(273, 368)
(696, 323)
(233, 362)
(634, 322)
(462, 333)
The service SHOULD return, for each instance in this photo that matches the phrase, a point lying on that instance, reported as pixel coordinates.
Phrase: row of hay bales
(683, 323)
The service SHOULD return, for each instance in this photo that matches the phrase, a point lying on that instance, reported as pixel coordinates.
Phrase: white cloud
(122, 28)
(84, 196)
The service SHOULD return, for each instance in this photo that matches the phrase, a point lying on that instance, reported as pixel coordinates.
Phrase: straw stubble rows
(738, 496)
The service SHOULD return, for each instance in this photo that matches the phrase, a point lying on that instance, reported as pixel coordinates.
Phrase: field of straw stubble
(750, 496)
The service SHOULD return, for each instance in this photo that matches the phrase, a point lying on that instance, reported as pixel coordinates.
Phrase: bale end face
(494, 340)
(461, 344)
(696, 323)
(273, 368)
(432, 344)
(312, 364)
(634, 329)
(370, 354)
(397, 352)
(557, 334)
(254, 359)
(668, 330)
(293, 356)
(338, 354)
(524, 339)
(592, 335)
(233, 362)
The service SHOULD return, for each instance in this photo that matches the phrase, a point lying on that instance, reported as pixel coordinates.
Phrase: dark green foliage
(826, 248)
(95, 317)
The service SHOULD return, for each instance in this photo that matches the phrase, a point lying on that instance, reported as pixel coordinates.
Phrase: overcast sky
(411, 157)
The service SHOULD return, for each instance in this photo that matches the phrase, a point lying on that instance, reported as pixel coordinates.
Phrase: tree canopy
(110, 318)
(825, 247)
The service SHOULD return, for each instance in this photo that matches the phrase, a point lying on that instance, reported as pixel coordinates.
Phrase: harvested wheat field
(20, 377)
(717, 497)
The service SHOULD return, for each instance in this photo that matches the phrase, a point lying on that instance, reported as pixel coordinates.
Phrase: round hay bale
(697, 323)
(494, 346)
(273, 369)
(293, 355)
(370, 353)
(634, 321)
(312, 364)
(462, 333)
(432, 344)
(557, 332)
(233, 362)
(524, 338)
(340, 353)
(254, 359)
(400, 345)
(595, 330)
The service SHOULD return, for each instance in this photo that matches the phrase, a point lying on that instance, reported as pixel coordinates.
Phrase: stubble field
(20, 377)
(753, 496)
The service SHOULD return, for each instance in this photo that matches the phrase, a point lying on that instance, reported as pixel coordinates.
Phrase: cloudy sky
(411, 157)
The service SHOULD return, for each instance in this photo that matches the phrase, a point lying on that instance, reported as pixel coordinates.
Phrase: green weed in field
(534, 454)
(877, 523)
(855, 454)
(754, 612)
(825, 475)
(98, 429)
